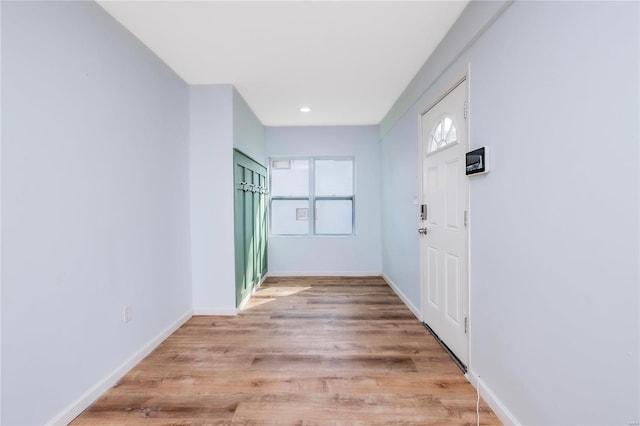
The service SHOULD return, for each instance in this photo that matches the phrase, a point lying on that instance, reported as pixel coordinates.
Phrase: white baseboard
(230, 311)
(72, 411)
(215, 311)
(253, 291)
(402, 297)
(324, 274)
(500, 410)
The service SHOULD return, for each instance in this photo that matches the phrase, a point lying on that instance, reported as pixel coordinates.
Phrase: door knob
(422, 231)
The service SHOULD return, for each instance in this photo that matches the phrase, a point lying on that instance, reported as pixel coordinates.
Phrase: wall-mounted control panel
(478, 161)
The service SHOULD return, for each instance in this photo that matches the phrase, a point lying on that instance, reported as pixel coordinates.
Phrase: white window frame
(312, 198)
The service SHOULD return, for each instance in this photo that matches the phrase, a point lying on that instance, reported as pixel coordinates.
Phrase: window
(443, 134)
(312, 196)
(290, 197)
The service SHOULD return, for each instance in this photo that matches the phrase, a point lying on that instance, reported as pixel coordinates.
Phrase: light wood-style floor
(305, 351)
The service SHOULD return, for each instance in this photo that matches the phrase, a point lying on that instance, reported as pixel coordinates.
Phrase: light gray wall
(95, 202)
(470, 25)
(211, 118)
(399, 169)
(554, 333)
(248, 131)
(220, 120)
(332, 255)
(0, 216)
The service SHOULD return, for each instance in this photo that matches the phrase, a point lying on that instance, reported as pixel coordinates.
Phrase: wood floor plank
(322, 408)
(352, 364)
(271, 382)
(304, 351)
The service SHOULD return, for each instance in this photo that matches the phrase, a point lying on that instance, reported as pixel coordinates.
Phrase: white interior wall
(332, 255)
(0, 216)
(211, 172)
(220, 120)
(554, 331)
(248, 131)
(95, 205)
(565, 160)
(400, 212)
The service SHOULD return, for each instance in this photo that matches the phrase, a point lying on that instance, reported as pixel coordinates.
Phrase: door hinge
(466, 325)
(465, 109)
(466, 220)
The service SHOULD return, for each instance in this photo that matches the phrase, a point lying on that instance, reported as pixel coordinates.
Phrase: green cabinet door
(262, 230)
(250, 223)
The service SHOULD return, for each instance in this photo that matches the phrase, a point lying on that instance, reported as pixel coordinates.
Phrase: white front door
(444, 237)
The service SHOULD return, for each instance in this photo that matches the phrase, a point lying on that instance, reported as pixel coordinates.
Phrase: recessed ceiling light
(305, 109)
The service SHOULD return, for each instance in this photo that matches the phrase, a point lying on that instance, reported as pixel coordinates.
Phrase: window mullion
(312, 196)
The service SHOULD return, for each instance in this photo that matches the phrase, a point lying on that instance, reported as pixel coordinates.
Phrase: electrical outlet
(126, 313)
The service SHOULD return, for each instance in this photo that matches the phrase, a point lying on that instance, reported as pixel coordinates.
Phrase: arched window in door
(443, 134)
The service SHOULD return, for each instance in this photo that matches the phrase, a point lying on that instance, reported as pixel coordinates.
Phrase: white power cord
(478, 401)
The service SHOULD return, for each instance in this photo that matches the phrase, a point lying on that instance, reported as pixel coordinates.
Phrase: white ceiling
(347, 61)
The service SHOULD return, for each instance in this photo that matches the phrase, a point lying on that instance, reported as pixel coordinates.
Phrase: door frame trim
(462, 78)
(453, 87)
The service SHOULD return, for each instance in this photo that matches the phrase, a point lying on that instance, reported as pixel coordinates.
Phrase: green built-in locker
(250, 223)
